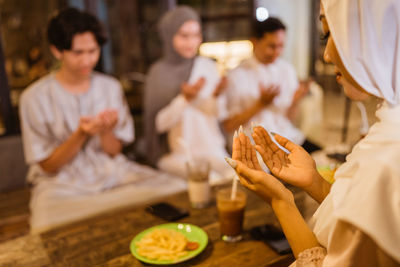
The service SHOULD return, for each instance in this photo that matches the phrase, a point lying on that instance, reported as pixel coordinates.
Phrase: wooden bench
(14, 213)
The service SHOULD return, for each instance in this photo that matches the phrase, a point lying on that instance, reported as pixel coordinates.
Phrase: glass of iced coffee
(231, 214)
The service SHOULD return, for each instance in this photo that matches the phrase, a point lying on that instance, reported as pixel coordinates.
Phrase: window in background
(227, 54)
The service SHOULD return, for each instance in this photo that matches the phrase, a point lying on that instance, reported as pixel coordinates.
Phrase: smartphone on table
(273, 237)
(167, 211)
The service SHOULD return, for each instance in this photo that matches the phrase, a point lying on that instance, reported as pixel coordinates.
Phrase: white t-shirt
(50, 114)
(243, 91)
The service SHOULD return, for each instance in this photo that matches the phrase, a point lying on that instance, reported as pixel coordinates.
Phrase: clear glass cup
(231, 214)
(198, 183)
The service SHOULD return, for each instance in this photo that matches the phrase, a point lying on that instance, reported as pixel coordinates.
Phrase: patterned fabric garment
(50, 114)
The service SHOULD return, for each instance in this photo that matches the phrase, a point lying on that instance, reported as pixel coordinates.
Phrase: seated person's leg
(55, 205)
(174, 164)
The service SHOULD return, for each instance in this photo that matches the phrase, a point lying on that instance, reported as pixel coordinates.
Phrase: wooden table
(104, 240)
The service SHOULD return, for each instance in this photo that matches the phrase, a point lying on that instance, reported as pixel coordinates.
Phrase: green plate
(192, 233)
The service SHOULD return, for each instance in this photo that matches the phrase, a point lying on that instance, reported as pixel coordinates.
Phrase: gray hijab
(164, 79)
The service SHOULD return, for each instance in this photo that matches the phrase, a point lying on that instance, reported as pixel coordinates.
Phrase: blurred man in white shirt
(264, 89)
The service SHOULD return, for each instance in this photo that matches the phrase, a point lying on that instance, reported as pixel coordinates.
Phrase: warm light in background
(227, 54)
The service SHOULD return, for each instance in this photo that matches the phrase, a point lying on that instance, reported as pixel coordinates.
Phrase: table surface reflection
(104, 240)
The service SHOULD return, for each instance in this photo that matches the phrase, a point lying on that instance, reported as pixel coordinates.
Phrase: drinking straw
(234, 188)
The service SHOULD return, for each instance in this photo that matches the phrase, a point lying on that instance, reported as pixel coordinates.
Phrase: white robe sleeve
(205, 101)
(171, 114)
(213, 106)
(124, 129)
(38, 140)
(209, 106)
(348, 246)
(233, 99)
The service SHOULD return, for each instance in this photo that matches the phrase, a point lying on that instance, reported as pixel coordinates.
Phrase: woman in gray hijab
(182, 100)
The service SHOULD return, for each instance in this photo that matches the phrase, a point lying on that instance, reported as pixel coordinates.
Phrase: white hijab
(367, 36)
(367, 189)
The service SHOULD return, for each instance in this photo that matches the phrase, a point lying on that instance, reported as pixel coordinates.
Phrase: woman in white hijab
(183, 105)
(358, 221)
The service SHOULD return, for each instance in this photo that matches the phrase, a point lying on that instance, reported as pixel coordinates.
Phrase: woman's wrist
(280, 205)
(286, 201)
(319, 189)
(296, 230)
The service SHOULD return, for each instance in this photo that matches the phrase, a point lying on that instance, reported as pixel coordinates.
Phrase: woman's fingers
(277, 160)
(244, 151)
(263, 135)
(234, 165)
(249, 148)
(236, 148)
(246, 183)
(254, 159)
(268, 150)
(267, 157)
(250, 157)
(259, 180)
(258, 138)
(246, 173)
(242, 139)
(262, 183)
(286, 143)
(262, 138)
